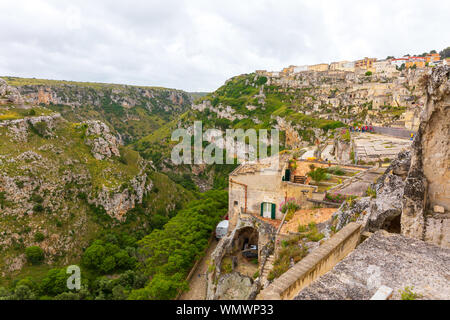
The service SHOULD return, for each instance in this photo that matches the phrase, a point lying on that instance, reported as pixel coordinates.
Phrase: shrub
(34, 254)
(227, 265)
(371, 192)
(105, 257)
(336, 171)
(39, 237)
(318, 174)
(38, 208)
(408, 294)
(368, 73)
(54, 283)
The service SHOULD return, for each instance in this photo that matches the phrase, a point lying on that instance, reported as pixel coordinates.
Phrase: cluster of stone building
(386, 66)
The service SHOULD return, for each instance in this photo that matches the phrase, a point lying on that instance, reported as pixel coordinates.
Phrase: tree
(445, 53)
(34, 254)
(433, 51)
(106, 257)
(55, 282)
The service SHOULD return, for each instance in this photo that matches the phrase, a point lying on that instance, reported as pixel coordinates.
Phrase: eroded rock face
(235, 286)
(19, 129)
(9, 94)
(428, 181)
(119, 201)
(103, 143)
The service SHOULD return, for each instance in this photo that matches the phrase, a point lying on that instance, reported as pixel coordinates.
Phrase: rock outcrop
(119, 201)
(385, 259)
(19, 129)
(103, 143)
(235, 286)
(9, 94)
(428, 181)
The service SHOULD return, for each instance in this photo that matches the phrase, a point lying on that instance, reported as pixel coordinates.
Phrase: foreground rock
(385, 259)
(428, 181)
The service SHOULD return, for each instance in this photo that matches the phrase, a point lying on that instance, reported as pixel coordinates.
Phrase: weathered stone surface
(235, 286)
(439, 209)
(119, 201)
(19, 129)
(9, 93)
(428, 181)
(385, 259)
(103, 143)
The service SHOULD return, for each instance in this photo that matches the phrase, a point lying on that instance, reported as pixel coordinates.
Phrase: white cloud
(197, 45)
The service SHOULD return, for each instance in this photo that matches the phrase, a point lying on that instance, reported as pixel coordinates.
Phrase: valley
(86, 178)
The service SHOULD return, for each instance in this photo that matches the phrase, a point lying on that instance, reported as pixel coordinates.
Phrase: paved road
(395, 132)
(197, 284)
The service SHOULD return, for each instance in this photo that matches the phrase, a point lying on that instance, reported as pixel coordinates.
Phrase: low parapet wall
(319, 262)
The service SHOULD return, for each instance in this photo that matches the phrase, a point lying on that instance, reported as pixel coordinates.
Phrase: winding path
(197, 284)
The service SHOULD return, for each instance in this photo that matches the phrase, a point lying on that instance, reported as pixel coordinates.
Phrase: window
(268, 210)
(236, 203)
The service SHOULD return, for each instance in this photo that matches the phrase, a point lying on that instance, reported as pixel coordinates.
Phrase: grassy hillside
(48, 190)
(132, 111)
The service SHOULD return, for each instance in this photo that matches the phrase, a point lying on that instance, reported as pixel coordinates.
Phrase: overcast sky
(197, 45)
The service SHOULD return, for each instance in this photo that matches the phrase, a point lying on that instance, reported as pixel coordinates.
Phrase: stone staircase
(267, 268)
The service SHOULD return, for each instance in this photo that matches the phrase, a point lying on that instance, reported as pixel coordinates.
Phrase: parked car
(250, 251)
(222, 229)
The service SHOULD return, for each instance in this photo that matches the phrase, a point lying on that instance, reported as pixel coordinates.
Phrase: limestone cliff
(426, 203)
(131, 111)
(61, 181)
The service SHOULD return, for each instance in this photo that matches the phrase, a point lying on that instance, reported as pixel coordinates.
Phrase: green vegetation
(310, 232)
(409, 294)
(289, 208)
(34, 254)
(292, 251)
(371, 192)
(117, 265)
(171, 252)
(318, 174)
(336, 171)
(227, 265)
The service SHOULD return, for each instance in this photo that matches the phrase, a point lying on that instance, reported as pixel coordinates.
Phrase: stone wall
(319, 262)
(261, 188)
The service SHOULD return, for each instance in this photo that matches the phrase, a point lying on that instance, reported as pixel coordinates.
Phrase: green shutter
(274, 208)
(262, 208)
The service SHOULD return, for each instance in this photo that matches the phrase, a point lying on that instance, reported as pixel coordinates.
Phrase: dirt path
(197, 284)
